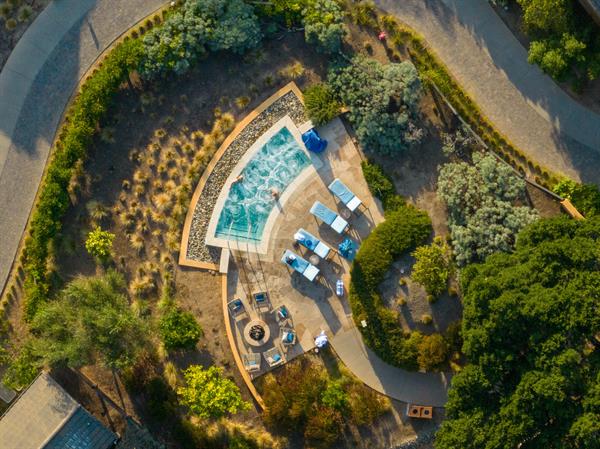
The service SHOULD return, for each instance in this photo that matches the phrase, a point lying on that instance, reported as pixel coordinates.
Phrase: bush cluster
(83, 117)
(585, 197)
(481, 200)
(321, 104)
(193, 30)
(322, 20)
(564, 38)
(383, 102)
(303, 397)
(381, 186)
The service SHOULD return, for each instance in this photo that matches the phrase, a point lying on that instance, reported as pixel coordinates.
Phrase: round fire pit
(256, 333)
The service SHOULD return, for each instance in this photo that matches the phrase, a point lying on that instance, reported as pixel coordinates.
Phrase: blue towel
(347, 249)
(299, 264)
(340, 190)
(323, 212)
(309, 240)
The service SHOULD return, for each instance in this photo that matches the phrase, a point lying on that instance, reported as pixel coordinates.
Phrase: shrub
(432, 267)
(585, 197)
(321, 104)
(383, 102)
(365, 405)
(99, 243)
(380, 184)
(334, 396)
(208, 394)
(179, 329)
(433, 351)
(324, 25)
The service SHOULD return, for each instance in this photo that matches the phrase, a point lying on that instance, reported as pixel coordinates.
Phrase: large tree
(90, 322)
(531, 325)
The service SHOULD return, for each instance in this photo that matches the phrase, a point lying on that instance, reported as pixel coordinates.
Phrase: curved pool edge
(184, 260)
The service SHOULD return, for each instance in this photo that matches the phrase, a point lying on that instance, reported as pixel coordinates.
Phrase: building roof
(46, 416)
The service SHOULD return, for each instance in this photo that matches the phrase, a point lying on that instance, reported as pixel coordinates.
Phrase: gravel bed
(289, 104)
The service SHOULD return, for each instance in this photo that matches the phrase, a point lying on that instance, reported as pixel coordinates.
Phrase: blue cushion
(289, 337)
(276, 358)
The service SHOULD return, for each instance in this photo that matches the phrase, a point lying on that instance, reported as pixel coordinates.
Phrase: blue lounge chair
(306, 269)
(350, 200)
(329, 217)
(312, 243)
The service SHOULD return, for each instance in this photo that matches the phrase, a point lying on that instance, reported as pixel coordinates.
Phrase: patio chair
(294, 261)
(282, 315)
(329, 217)
(261, 301)
(274, 357)
(310, 242)
(287, 337)
(350, 200)
(237, 309)
(251, 362)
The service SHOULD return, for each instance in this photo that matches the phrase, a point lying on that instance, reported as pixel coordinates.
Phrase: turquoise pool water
(249, 202)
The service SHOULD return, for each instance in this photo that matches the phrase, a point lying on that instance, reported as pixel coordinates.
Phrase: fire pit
(256, 333)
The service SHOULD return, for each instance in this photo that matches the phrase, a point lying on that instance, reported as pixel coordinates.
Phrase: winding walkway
(35, 85)
(491, 65)
(406, 386)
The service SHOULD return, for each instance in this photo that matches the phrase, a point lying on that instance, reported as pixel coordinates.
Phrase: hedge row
(83, 117)
(404, 228)
(434, 71)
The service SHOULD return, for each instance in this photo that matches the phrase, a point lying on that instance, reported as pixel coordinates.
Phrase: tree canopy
(90, 321)
(530, 327)
(481, 201)
(383, 102)
(197, 27)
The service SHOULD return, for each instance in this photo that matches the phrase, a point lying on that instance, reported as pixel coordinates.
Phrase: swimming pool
(249, 202)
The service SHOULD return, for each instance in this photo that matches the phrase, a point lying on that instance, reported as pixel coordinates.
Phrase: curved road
(35, 86)
(491, 65)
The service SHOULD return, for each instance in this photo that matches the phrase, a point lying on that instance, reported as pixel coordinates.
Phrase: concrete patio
(313, 306)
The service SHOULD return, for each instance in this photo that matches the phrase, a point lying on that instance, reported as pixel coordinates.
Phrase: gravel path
(524, 103)
(35, 86)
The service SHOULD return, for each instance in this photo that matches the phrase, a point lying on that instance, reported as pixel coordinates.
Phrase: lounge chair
(306, 269)
(274, 357)
(329, 217)
(282, 315)
(262, 302)
(287, 336)
(237, 309)
(312, 243)
(251, 362)
(350, 200)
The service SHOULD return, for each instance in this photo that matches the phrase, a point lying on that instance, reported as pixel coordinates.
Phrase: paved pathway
(35, 86)
(524, 103)
(406, 386)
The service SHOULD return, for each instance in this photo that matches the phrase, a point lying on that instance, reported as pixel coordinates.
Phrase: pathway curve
(406, 386)
(491, 65)
(35, 86)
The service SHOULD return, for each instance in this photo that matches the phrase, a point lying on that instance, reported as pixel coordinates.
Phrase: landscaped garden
(100, 290)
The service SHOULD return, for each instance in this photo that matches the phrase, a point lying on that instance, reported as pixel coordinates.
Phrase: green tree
(197, 27)
(90, 321)
(321, 104)
(208, 394)
(179, 329)
(383, 102)
(432, 266)
(480, 198)
(585, 197)
(324, 25)
(99, 243)
(529, 323)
